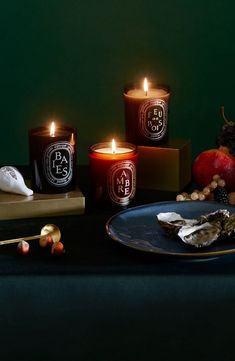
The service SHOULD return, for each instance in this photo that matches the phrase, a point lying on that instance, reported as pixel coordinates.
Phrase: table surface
(90, 250)
(104, 301)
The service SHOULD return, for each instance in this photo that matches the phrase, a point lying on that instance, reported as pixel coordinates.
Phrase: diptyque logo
(122, 182)
(58, 163)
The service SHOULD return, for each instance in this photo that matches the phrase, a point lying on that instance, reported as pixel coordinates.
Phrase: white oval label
(153, 118)
(122, 182)
(58, 163)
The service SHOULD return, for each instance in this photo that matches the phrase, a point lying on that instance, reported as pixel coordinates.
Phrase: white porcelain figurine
(12, 181)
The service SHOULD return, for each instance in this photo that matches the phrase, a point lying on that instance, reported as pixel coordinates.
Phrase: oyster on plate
(171, 222)
(229, 226)
(219, 215)
(199, 232)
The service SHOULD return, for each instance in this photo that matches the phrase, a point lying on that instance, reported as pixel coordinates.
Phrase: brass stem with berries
(48, 230)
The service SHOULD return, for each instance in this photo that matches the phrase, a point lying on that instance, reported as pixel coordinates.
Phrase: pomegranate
(215, 161)
(220, 160)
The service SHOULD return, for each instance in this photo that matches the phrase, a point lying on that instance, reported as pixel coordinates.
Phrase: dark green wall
(72, 58)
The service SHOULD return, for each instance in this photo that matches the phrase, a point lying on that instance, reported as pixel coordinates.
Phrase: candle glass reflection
(113, 173)
(53, 154)
(146, 113)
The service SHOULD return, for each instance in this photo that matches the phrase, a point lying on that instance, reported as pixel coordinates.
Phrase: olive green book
(14, 206)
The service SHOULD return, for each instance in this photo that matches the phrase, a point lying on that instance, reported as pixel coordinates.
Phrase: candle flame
(72, 140)
(52, 129)
(113, 146)
(146, 87)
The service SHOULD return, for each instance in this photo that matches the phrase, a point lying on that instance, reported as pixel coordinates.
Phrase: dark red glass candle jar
(53, 155)
(113, 173)
(146, 114)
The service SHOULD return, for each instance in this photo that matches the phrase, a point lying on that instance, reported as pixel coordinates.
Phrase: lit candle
(53, 153)
(113, 172)
(146, 114)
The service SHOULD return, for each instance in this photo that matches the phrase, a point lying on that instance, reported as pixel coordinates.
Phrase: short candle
(53, 154)
(146, 114)
(113, 172)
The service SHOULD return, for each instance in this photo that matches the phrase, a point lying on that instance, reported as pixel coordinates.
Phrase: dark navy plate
(138, 228)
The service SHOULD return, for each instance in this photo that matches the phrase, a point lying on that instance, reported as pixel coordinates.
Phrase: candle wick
(146, 93)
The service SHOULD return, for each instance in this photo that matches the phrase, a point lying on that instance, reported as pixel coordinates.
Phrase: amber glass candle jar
(113, 172)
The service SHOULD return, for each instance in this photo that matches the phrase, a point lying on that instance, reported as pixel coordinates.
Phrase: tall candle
(113, 172)
(53, 154)
(146, 114)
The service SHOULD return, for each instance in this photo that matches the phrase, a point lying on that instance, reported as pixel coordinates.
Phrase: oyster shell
(12, 181)
(229, 226)
(200, 235)
(219, 215)
(171, 222)
(199, 232)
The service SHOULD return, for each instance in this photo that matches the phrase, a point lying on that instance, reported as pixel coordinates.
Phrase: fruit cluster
(215, 190)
